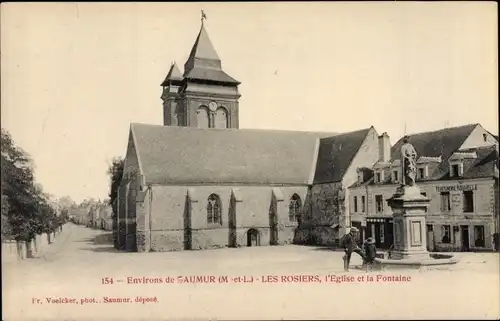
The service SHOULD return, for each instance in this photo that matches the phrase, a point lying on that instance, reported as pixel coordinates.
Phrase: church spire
(203, 53)
(173, 74)
(204, 62)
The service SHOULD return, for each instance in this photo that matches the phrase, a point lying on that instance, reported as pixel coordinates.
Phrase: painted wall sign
(456, 188)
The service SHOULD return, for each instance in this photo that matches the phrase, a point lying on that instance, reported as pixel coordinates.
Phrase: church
(201, 182)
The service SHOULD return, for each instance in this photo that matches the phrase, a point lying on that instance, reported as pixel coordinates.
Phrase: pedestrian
(350, 246)
(370, 251)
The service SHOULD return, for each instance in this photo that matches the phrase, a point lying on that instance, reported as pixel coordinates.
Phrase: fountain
(409, 209)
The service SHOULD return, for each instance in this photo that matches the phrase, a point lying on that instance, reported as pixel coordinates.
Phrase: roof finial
(203, 16)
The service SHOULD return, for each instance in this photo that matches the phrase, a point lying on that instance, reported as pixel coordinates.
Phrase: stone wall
(13, 251)
(177, 216)
(325, 205)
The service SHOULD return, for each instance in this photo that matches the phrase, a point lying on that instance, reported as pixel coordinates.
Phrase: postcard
(250, 161)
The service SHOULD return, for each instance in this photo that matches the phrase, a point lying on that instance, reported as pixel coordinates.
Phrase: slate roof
(203, 48)
(443, 142)
(211, 75)
(204, 62)
(173, 74)
(336, 154)
(184, 155)
(482, 166)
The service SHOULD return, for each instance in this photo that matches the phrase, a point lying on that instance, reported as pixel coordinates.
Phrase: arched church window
(221, 116)
(295, 208)
(202, 117)
(214, 211)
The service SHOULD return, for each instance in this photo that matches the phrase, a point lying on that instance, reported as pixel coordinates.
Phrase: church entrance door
(253, 237)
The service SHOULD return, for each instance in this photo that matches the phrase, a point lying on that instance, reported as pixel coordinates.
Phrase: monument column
(409, 209)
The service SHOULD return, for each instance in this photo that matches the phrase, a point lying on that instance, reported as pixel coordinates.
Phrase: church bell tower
(204, 96)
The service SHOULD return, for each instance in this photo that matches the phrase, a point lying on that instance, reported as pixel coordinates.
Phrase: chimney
(384, 148)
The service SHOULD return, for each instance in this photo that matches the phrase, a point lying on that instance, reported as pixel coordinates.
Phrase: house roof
(173, 74)
(443, 142)
(485, 165)
(184, 155)
(336, 154)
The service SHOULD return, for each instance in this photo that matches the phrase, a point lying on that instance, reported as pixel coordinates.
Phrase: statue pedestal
(409, 209)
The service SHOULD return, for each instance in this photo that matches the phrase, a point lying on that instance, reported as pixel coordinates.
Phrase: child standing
(370, 253)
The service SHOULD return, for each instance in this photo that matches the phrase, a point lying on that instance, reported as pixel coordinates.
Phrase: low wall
(13, 251)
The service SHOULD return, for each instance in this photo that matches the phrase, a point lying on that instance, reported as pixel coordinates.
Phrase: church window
(214, 212)
(294, 213)
(220, 120)
(202, 117)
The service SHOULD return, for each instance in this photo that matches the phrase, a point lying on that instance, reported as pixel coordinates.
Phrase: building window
(379, 203)
(479, 236)
(202, 118)
(294, 209)
(445, 202)
(379, 179)
(355, 204)
(221, 118)
(468, 202)
(424, 194)
(446, 234)
(421, 173)
(214, 212)
(395, 176)
(485, 137)
(454, 171)
(363, 205)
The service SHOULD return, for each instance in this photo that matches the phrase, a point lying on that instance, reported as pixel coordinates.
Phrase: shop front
(381, 230)
(460, 235)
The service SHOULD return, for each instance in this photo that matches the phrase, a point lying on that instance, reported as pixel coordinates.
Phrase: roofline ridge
(443, 129)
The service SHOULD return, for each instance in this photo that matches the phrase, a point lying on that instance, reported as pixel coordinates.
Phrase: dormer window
(360, 177)
(485, 137)
(457, 162)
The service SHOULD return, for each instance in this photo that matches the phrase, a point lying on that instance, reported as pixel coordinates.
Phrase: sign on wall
(456, 188)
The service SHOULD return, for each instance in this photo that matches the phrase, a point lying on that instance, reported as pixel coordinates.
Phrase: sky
(75, 75)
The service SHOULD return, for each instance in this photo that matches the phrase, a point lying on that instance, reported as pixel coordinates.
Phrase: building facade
(199, 181)
(457, 169)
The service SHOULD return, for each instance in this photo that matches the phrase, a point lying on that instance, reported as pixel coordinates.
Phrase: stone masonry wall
(169, 208)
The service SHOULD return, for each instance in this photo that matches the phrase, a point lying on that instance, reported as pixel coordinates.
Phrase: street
(81, 277)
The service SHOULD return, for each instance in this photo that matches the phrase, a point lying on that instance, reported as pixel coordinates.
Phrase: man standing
(350, 245)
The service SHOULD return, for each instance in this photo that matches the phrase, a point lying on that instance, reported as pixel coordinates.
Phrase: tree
(25, 208)
(115, 172)
(6, 230)
(66, 202)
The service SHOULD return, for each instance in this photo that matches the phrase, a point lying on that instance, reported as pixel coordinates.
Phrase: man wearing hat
(350, 245)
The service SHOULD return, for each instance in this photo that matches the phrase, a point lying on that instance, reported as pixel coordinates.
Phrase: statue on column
(408, 163)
